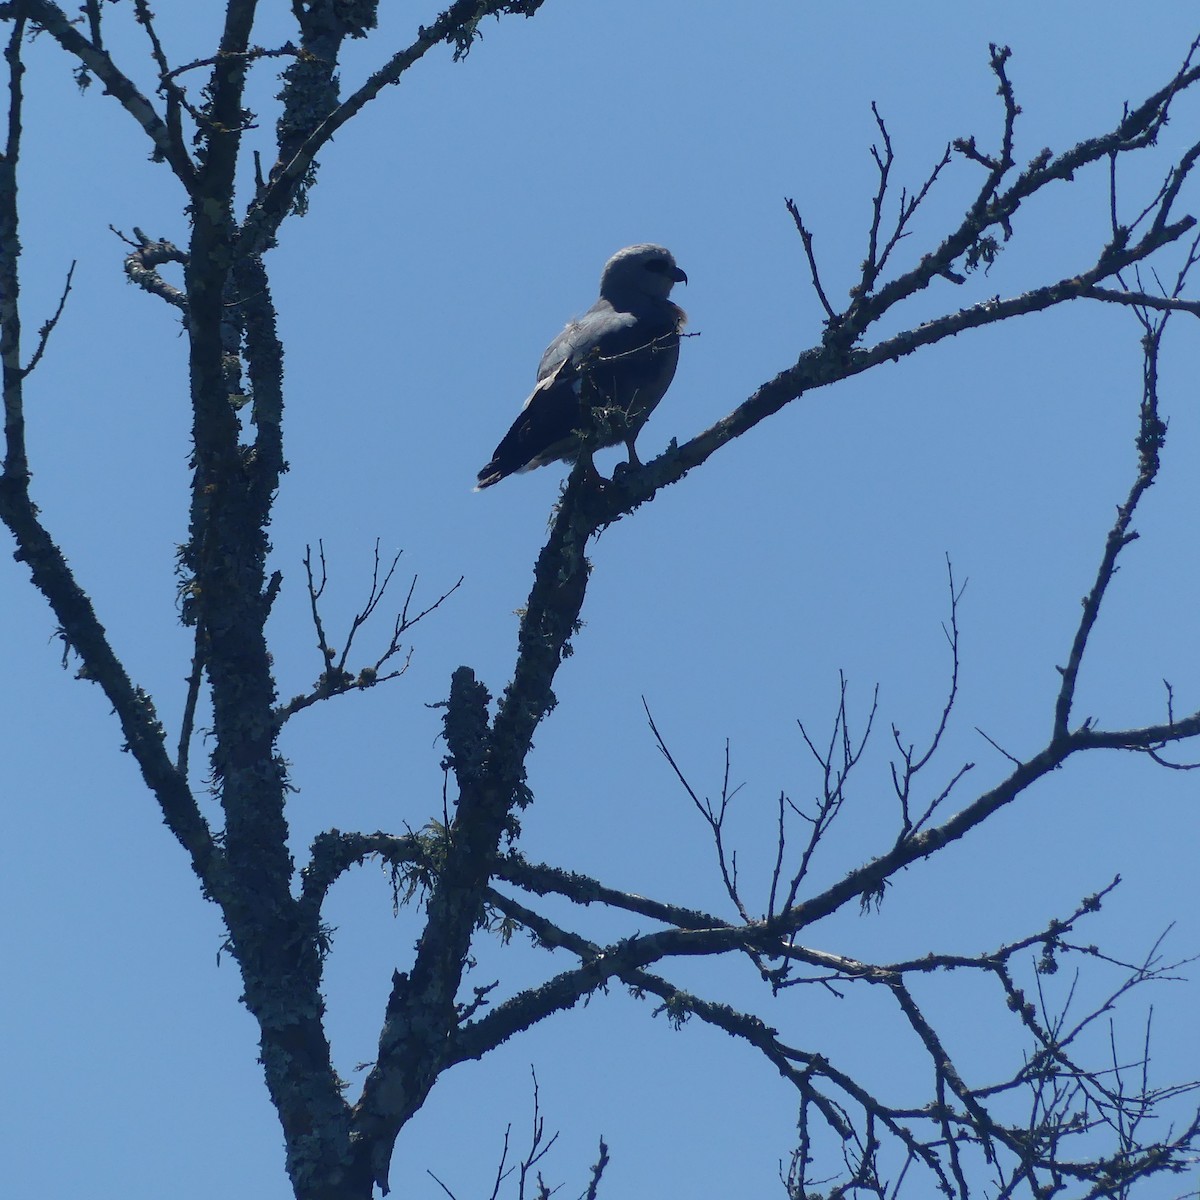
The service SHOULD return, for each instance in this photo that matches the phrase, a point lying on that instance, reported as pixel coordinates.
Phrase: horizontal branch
(769, 937)
(1149, 737)
(866, 880)
(333, 853)
(1053, 930)
(1143, 300)
(582, 889)
(951, 1127)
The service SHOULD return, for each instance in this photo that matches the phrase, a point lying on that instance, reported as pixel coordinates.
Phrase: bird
(601, 378)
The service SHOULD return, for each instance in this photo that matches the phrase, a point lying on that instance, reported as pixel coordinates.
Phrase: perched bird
(603, 375)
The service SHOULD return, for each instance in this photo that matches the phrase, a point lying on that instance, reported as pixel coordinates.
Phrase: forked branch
(335, 679)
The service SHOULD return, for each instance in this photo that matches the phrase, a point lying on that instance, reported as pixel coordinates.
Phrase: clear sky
(456, 225)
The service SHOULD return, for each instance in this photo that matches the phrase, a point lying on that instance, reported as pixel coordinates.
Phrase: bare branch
(48, 327)
(456, 23)
(807, 240)
(581, 889)
(1012, 758)
(176, 101)
(1152, 433)
(248, 56)
(194, 679)
(16, 465)
(457, 866)
(1141, 299)
(333, 853)
(376, 594)
(60, 27)
(597, 1172)
(902, 780)
(838, 358)
(714, 816)
(79, 626)
(538, 1147)
(335, 679)
(143, 260)
(825, 365)
(883, 162)
(908, 206)
(834, 780)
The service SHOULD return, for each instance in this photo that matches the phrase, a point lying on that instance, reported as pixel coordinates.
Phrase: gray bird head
(639, 272)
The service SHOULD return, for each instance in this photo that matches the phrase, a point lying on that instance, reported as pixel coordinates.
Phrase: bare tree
(1056, 1121)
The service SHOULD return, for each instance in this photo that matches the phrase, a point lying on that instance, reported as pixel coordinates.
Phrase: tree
(1052, 1119)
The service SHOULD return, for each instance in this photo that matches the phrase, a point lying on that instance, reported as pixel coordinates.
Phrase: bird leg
(634, 463)
(591, 477)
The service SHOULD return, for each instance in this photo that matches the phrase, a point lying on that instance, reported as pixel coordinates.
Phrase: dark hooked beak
(679, 276)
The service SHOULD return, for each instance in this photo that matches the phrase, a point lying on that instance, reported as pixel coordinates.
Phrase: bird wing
(627, 358)
(545, 428)
(601, 332)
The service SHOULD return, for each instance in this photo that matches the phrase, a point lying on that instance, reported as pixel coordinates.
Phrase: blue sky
(455, 227)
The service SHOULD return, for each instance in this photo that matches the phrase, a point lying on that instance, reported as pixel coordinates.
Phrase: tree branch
(335, 679)
(1152, 432)
(456, 24)
(79, 626)
(167, 148)
(141, 265)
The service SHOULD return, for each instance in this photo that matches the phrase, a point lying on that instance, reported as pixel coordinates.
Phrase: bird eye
(657, 264)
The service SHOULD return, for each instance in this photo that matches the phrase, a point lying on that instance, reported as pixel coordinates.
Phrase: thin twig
(187, 725)
(807, 240)
(48, 326)
(1152, 432)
